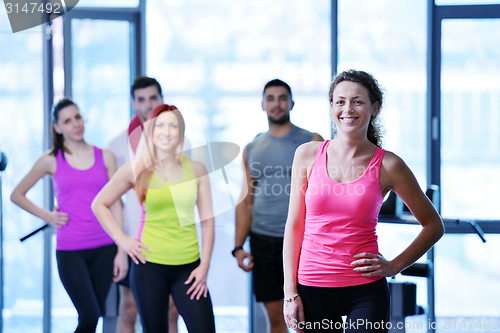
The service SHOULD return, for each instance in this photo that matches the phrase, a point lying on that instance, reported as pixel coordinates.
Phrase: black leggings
(152, 285)
(86, 275)
(366, 306)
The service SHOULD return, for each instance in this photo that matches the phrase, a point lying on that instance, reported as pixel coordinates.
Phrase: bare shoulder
(305, 156)
(392, 163)
(47, 156)
(127, 168)
(125, 173)
(394, 172)
(307, 150)
(109, 161)
(44, 165)
(47, 161)
(108, 155)
(199, 168)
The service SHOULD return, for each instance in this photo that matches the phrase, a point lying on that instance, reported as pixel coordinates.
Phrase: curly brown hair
(375, 93)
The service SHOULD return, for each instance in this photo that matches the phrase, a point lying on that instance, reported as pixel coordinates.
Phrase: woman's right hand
(291, 310)
(134, 249)
(57, 219)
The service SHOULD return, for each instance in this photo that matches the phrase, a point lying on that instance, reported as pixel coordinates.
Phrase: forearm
(116, 211)
(23, 202)
(207, 241)
(291, 252)
(243, 222)
(427, 237)
(103, 214)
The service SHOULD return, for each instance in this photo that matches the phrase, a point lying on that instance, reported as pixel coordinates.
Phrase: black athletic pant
(152, 285)
(366, 306)
(86, 275)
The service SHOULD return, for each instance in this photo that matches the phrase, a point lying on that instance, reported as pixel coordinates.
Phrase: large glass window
(470, 109)
(21, 140)
(101, 76)
(470, 118)
(213, 60)
(100, 87)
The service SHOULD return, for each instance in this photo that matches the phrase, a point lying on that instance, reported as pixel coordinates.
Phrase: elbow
(14, 197)
(440, 229)
(94, 206)
(294, 227)
(99, 203)
(244, 206)
(208, 222)
(437, 230)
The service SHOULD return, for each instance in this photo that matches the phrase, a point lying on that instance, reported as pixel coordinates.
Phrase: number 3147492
(33, 7)
(472, 324)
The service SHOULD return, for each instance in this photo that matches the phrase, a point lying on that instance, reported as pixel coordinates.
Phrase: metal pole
(334, 48)
(48, 100)
(334, 36)
(3, 164)
(433, 134)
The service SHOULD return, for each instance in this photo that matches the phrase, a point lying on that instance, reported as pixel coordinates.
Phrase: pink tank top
(74, 190)
(340, 222)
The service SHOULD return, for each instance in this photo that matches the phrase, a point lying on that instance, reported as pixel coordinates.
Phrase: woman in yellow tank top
(166, 254)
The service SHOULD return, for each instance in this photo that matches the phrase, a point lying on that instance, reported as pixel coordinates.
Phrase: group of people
(313, 250)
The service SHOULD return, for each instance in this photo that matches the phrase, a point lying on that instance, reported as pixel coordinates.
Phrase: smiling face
(70, 123)
(277, 103)
(166, 132)
(351, 107)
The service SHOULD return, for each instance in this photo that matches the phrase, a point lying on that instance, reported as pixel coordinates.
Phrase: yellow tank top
(167, 224)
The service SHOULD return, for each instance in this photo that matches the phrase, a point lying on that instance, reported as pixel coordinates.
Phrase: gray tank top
(270, 163)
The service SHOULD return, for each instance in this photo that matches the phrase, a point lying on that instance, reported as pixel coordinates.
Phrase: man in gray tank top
(261, 214)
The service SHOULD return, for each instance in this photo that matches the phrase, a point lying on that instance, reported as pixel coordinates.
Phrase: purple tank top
(74, 190)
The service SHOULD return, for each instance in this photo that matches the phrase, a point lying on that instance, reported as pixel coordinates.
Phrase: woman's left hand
(199, 286)
(120, 266)
(370, 264)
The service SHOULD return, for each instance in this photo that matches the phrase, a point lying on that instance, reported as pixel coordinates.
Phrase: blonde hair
(145, 158)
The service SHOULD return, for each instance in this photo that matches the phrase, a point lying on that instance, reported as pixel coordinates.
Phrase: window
(21, 140)
(470, 118)
(470, 161)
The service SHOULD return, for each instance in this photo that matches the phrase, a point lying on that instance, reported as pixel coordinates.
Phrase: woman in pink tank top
(87, 258)
(331, 260)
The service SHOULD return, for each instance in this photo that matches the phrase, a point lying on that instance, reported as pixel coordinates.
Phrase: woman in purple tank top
(87, 258)
(332, 265)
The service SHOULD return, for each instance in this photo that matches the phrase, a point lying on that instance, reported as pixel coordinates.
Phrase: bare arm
(398, 177)
(120, 266)
(243, 215)
(204, 204)
(45, 165)
(117, 207)
(121, 182)
(294, 229)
